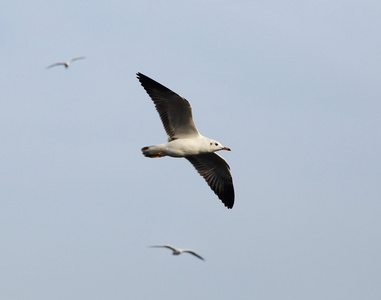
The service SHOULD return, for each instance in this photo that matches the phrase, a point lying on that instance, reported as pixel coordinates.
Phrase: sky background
(292, 87)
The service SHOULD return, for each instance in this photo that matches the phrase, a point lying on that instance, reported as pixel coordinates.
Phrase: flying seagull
(178, 251)
(184, 140)
(66, 64)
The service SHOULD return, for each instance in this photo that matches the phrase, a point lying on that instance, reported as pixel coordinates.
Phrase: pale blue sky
(293, 88)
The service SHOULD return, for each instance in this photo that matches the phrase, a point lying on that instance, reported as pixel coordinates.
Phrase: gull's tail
(151, 152)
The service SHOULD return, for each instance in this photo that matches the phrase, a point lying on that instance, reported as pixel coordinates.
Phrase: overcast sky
(292, 87)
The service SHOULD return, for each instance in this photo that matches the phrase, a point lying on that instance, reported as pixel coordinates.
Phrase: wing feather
(175, 111)
(56, 64)
(216, 172)
(76, 58)
(194, 253)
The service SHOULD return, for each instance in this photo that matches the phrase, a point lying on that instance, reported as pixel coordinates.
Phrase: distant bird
(65, 64)
(184, 140)
(178, 251)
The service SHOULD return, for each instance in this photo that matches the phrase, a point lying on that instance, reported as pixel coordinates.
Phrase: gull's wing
(216, 173)
(175, 111)
(194, 253)
(165, 246)
(75, 58)
(56, 64)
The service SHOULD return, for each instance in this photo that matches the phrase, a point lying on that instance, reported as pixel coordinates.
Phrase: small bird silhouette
(177, 251)
(65, 64)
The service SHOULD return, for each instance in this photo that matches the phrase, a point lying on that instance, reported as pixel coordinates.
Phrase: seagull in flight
(177, 251)
(184, 140)
(65, 64)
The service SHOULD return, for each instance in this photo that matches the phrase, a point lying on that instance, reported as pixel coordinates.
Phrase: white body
(185, 147)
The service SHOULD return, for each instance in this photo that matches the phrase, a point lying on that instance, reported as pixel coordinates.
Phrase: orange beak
(226, 148)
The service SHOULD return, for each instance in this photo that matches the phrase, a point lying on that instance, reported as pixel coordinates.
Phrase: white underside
(183, 147)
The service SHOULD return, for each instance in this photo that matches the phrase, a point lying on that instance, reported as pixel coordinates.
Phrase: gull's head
(216, 146)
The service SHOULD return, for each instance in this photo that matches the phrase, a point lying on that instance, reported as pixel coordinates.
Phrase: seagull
(66, 64)
(184, 140)
(178, 251)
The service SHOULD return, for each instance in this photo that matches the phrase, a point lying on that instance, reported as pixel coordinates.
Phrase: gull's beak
(226, 148)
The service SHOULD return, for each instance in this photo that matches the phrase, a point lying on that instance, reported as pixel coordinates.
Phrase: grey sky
(293, 88)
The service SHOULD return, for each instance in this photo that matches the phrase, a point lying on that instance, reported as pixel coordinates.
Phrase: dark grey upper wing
(76, 58)
(216, 173)
(175, 111)
(56, 64)
(194, 253)
(164, 246)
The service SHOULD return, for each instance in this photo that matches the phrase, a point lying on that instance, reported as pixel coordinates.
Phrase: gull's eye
(216, 144)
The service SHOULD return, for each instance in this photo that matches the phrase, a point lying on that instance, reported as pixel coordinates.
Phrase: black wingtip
(150, 85)
(141, 76)
(227, 197)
